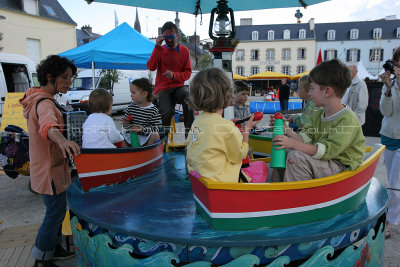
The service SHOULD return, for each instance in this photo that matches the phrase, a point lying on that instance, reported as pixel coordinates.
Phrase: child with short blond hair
(215, 146)
(299, 121)
(99, 130)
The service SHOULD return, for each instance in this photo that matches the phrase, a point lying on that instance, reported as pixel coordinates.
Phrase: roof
(244, 32)
(191, 46)
(365, 29)
(46, 8)
(82, 35)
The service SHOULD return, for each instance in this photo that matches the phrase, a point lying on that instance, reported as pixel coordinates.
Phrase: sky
(101, 17)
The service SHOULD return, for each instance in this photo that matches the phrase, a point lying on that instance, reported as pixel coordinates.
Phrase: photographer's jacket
(390, 109)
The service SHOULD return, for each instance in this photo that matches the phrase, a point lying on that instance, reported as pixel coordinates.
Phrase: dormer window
(354, 34)
(377, 33)
(271, 35)
(286, 34)
(302, 34)
(254, 35)
(331, 35)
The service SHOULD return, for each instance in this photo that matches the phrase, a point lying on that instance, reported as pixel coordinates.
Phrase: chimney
(87, 29)
(194, 39)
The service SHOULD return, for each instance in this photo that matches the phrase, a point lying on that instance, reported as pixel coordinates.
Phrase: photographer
(390, 133)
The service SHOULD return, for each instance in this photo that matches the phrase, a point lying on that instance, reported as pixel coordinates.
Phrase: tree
(182, 37)
(109, 78)
(204, 62)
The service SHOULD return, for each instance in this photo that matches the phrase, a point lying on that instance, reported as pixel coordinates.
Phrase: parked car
(78, 95)
(17, 74)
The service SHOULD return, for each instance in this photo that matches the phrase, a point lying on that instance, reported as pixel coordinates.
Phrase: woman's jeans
(49, 234)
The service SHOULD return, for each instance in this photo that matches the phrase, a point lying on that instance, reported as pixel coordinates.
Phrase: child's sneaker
(61, 254)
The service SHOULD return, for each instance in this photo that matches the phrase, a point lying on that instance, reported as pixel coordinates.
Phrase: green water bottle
(278, 157)
(134, 140)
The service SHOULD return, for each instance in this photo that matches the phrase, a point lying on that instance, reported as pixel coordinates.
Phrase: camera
(389, 64)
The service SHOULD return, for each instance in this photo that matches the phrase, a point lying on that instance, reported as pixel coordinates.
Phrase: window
(377, 33)
(353, 55)
(286, 70)
(301, 69)
(240, 55)
(330, 54)
(240, 71)
(331, 35)
(398, 33)
(254, 35)
(376, 54)
(254, 54)
(254, 70)
(301, 53)
(270, 54)
(286, 34)
(354, 34)
(271, 35)
(302, 34)
(50, 10)
(270, 68)
(286, 53)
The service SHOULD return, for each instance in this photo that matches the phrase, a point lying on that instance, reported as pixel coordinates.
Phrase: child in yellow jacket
(215, 146)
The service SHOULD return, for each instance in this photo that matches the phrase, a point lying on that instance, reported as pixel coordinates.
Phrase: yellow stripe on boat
(295, 185)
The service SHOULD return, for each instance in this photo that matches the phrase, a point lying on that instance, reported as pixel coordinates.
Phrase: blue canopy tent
(121, 48)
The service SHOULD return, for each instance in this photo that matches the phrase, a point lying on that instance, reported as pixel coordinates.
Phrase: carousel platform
(152, 220)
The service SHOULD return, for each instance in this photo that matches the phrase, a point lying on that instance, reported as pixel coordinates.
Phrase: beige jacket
(47, 162)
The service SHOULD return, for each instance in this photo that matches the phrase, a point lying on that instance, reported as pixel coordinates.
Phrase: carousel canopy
(205, 6)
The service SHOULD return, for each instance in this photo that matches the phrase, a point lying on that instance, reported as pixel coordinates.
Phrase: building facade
(36, 28)
(284, 48)
(293, 48)
(371, 42)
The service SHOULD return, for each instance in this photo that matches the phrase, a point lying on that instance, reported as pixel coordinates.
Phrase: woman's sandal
(387, 234)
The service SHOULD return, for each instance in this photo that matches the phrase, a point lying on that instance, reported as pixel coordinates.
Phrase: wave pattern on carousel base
(96, 246)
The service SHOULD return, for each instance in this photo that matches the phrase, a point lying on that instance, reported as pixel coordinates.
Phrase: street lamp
(222, 31)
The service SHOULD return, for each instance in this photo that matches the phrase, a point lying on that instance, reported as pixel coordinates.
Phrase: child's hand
(285, 122)
(136, 129)
(283, 141)
(127, 119)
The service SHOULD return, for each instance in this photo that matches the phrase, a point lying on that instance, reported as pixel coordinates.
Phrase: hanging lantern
(298, 15)
(222, 30)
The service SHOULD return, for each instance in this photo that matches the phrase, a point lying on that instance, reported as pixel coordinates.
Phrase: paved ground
(19, 206)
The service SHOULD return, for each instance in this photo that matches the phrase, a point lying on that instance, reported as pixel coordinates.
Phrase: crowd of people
(335, 99)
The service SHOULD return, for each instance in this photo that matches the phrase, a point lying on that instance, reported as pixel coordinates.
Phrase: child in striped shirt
(141, 116)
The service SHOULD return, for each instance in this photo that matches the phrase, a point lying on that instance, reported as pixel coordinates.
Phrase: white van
(82, 86)
(17, 74)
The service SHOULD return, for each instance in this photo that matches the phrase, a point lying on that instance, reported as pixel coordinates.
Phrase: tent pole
(93, 74)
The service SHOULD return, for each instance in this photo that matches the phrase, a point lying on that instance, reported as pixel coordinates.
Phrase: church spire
(177, 20)
(137, 23)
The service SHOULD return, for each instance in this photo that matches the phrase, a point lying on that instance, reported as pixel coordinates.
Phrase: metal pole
(93, 75)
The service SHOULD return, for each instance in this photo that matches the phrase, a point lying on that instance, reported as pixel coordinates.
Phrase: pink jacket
(47, 162)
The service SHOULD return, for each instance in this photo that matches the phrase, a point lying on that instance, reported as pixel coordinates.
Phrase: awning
(269, 75)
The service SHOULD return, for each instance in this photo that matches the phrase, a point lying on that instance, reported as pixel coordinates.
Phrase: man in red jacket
(172, 62)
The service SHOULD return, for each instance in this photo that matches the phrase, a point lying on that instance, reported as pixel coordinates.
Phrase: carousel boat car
(238, 206)
(98, 167)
